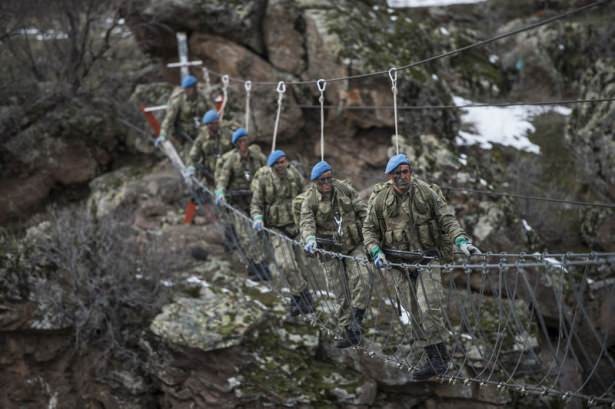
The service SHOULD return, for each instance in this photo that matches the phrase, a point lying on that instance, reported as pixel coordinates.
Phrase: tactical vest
(278, 204)
(340, 206)
(423, 227)
(189, 115)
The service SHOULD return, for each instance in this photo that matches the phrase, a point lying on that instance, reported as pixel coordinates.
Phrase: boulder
(237, 61)
(216, 320)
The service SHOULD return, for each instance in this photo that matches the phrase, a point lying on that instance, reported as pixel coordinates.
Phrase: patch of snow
(482, 182)
(405, 317)
(434, 77)
(393, 18)
(44, 35)
(444, 31)
(428, 3)
(197, 280)
(526, 226)
(463, 159)
(508, 126)
(493, 58)
(166, 283)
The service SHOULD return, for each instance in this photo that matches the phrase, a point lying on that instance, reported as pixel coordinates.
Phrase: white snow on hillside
(428, 3)
(508, 126)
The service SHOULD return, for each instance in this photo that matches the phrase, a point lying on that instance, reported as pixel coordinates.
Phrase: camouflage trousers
(288, 262)
(352, 283)
(422, 298)
(250, 242)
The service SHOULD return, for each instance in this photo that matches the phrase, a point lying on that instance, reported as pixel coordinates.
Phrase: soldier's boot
(262, 270)
(259, 272)
(436, 363)
(301, 304)
(307, 302)
(352, 336)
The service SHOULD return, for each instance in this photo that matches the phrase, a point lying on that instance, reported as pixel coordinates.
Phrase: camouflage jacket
(318, 214)
(208, 149)
(234, 175)
(418, 220)
(183, 116)
(272, 197)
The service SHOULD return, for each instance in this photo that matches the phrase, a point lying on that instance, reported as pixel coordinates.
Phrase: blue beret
(395, 161)
(210, 116)
(318, 169)
(274, 157)
(239, 133)
(189, 81)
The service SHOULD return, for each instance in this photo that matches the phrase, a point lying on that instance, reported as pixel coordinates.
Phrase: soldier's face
(242, 144)
(281, 165)
(213, 126)
(402, 176)
(324, 182)
(191, 92)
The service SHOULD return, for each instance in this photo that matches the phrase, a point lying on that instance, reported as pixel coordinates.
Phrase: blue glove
(257, 224)
(220, 198)
(466, 246)
(161, 138)
(310, 245)
(378, 256)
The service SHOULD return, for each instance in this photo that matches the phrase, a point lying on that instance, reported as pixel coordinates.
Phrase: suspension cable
(281, 89)
(321, 85)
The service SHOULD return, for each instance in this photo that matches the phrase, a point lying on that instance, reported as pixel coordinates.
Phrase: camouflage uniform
(272, 197)
(207, 150)
(234, 176)
(183, 116)
(418, 220)
(317, 219)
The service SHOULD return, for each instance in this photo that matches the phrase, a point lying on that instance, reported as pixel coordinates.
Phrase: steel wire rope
(546, 333)
(585, 314)
(520, 328)
(603, 350)
(474, 328)
(466, 266)
(452, 286)
(445, 54)
(492, 104)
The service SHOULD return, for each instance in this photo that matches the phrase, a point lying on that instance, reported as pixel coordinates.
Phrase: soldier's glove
(378, 256)
(187, 173)
(161, 138)
(466, 246)
(257, 224)
(220, 198)
(310, 245)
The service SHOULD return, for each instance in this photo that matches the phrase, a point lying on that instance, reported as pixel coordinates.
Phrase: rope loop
(321, 84)
(393, 77)
(281, 87)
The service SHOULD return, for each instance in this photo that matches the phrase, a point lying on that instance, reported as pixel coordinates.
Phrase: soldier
(273, 189)
(407, 215)
(233, 177)
(331, 218)
(209, 147)
(183, 112)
